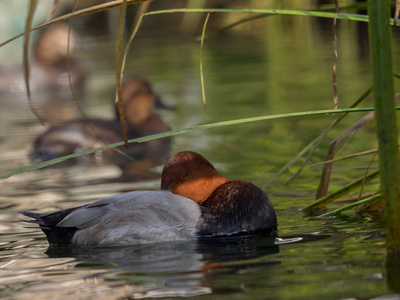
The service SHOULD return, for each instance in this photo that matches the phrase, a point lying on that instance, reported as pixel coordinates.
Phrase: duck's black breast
(237, 208)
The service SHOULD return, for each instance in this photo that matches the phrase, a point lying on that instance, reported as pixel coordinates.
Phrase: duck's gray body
(125, 219)
(235, 208)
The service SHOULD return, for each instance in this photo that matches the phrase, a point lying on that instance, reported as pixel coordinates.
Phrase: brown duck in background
(77, 135)
(52, 54)
(49, 83)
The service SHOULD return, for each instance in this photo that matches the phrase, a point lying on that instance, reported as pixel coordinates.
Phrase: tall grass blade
(324, 170)
(201, 62)
(326, 174)
(343, 191)
(241, 21)
(358, 6)
(128, 44)
(138, 22)
(76, 100)
(369, 201)
(397, 12)
(53, 9)
(74, 97)
(118, 67)
(385, 116)
(190, 22)
(143, 8)
(335, 54)
(28, 25)
(368, 152)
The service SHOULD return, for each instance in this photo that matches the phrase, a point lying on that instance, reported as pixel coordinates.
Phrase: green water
(276, 65)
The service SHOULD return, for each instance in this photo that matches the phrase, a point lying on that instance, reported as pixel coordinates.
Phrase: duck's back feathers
(130, 218)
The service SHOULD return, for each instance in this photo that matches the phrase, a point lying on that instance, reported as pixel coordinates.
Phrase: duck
(77, 135)
(54, 61)
(233, 208)
(56, 57)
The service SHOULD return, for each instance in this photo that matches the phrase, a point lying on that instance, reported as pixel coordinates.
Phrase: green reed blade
(190, 129)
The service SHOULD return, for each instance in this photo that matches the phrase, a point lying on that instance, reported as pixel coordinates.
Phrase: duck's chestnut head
(190, 175)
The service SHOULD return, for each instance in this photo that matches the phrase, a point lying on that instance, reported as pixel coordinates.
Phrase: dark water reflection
(163, 257)
(280, 65)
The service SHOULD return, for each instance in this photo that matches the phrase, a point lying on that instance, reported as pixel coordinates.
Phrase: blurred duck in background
(54, 57)
(77, 135)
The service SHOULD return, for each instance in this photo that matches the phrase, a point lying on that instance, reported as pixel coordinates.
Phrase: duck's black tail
(36, 219)
(48, 224)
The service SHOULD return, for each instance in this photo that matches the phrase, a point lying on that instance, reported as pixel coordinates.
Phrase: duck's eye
(184, 174)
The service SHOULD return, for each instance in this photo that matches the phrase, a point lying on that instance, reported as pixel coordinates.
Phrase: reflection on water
(224, 267)
(280, 66)
(178, 267)
(163, 257)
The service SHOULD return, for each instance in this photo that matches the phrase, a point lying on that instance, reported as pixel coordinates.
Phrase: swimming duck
(50, 66)
(229, 209)
(78, 135)
(52, 55)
